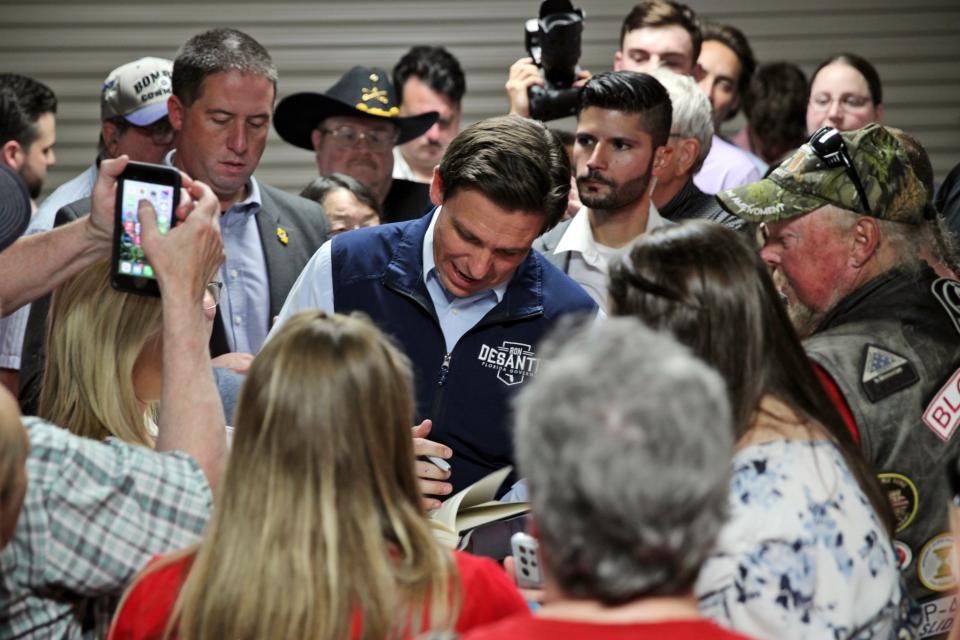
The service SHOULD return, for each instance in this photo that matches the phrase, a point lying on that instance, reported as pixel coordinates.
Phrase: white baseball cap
(137, 91)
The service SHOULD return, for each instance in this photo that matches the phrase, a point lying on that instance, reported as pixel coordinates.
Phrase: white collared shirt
(590, 260)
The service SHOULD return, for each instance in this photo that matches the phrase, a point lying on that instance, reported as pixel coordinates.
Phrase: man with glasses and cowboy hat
(352, 129)
(847, 219)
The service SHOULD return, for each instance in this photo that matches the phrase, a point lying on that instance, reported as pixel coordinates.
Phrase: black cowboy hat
(362, 91)
(14, 207)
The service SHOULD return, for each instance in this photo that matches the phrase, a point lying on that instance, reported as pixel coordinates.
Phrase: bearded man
(623, 124)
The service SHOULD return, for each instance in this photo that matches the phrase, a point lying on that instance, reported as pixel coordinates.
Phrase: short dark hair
(320, 187)
(776, 105)
(733, 39)
(664, 13)
(218, 51)
(517, 163)
(631, 92)
(22, 102)
(867, 70)
(436, 67)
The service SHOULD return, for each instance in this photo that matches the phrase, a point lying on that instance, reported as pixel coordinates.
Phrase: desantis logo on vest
(513, 361)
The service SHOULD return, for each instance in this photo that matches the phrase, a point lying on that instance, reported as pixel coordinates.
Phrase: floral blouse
(803, 554)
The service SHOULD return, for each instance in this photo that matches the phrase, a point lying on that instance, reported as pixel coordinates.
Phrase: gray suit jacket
(546, 244)
(306, 226)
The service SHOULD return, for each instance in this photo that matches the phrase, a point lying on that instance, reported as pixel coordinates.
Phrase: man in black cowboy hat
(353, 128)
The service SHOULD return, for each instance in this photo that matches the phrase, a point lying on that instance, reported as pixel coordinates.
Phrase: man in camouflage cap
(846, 221)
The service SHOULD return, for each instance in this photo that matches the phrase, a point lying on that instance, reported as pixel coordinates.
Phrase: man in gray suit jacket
(224, 87)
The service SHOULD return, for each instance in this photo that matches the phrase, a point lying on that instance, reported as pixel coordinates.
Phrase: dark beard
(619, 195)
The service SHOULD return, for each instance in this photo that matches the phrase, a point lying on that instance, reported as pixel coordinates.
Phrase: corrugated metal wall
(72, 45)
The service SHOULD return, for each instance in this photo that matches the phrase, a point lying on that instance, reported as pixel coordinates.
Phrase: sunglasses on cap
(829, 146)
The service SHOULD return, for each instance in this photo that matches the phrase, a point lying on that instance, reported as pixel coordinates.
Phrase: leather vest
(891, 347)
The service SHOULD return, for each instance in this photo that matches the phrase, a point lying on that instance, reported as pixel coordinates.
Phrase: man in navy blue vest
(461, 290)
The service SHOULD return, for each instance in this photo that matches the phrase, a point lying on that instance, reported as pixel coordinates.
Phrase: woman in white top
(807, 551)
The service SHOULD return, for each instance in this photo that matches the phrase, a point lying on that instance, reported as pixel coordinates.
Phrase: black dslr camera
(553, 41)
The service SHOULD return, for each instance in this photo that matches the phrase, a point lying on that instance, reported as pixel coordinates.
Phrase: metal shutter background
(72, 45)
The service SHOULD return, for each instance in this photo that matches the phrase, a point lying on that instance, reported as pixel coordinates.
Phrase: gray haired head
(626, 441)
(692, 113)
(218, 51)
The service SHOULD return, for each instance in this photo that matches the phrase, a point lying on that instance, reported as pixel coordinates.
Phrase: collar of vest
(404, 274)
(897, 294)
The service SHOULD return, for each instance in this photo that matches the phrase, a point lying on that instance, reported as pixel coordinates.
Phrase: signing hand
(431, 477)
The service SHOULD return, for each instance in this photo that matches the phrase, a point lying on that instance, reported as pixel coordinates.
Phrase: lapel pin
(282, 236)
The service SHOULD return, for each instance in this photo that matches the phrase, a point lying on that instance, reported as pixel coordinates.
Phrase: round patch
(903, 497)
(904, 554)
(936, 563)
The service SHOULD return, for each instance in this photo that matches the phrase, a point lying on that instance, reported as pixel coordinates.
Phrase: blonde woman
(102, 371)
(318, 530)
(101, 377)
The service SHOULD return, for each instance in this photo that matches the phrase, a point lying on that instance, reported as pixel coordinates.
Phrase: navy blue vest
(466, 393)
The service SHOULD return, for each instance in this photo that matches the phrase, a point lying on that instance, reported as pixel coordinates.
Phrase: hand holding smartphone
(159, 184)
(526, 556)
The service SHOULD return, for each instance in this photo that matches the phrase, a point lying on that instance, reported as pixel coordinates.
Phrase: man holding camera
(656, 33)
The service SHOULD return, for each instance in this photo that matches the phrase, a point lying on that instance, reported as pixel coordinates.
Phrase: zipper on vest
(444, 370)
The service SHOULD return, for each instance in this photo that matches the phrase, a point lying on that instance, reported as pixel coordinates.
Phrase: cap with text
(804, 182)
(137, 91)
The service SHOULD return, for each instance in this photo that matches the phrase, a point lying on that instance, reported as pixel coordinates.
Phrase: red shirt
(535, 628)
(487, 595)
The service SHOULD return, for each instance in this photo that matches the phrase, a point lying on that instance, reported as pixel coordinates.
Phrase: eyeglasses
(214, 289)
(347, 137)
(828, 144)
(849, 101)
(161, 132)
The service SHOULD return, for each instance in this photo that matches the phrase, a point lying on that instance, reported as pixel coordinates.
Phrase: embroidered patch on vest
(885, 373)
(936, 563)
(904, 554)
(903, 496)
(942, 415)
(514, 362)
(947, 292)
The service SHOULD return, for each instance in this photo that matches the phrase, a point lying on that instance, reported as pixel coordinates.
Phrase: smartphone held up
(160, 185)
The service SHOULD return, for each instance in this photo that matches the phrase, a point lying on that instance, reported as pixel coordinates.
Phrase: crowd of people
(723, 371)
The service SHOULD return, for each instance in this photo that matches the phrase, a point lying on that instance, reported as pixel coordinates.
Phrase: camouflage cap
(804, 182)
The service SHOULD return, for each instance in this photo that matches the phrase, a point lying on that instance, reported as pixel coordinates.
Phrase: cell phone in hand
(130, 270)
(526, 556)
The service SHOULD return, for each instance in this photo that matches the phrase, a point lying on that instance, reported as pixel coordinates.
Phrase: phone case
(130, 271)
(526, 554)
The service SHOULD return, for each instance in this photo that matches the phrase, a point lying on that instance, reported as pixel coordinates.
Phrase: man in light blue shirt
(461, 291)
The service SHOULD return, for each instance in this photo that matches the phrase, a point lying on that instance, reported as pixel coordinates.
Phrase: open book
(472, 507)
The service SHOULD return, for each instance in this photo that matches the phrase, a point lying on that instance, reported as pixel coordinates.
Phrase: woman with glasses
(845, 93)
(102, 371)
(348, 204)
(319, 531)
(807, 551)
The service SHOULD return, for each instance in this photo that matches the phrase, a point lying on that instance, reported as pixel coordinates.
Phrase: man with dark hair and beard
(623, 123)
(28, 112)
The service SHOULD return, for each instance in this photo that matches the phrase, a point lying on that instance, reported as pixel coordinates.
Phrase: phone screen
(131, 259)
